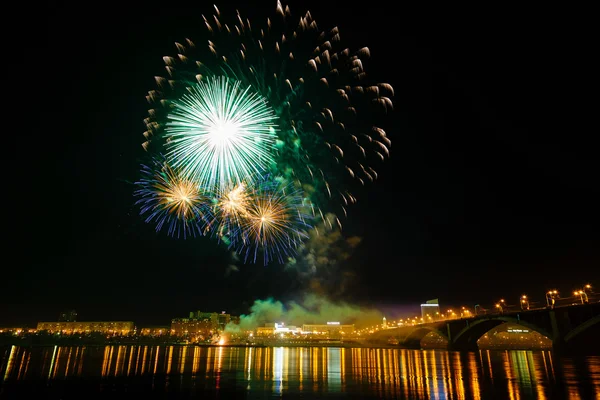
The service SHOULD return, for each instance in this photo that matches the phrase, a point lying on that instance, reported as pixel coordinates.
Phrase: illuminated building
(267, 330)
(509, 336)
(155, 331)
(109, 327)
(431, 309)
(517, 330)
(218, 320)
(329, 328)
(16, 330)
(192, 326)
(201, 315)
(67, 316)
(222, 320)
(281, 329)
(277, 328)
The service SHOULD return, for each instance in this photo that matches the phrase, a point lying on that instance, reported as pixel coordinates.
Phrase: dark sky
(491, 190)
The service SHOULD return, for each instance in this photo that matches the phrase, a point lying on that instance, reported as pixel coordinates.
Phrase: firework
(170, 200)
(263, 103)
(231, 208)
(267, 219)
(274, 223)
(219, 133)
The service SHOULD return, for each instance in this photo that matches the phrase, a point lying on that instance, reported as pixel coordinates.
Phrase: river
(84, 372)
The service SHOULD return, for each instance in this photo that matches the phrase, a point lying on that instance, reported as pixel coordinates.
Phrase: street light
(582, 295)
(551, 298)
(524, 303)
(501, 305)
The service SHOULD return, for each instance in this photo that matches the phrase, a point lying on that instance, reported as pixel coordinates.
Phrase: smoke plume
(319, 263)
(311, 309)
(323, 281)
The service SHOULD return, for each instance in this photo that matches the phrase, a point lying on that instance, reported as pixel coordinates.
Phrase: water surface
(84, 372)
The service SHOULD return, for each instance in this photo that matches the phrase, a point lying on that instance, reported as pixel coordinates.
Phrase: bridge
(568, 327)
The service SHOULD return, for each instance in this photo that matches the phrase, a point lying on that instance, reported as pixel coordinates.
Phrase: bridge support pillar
(558, 342)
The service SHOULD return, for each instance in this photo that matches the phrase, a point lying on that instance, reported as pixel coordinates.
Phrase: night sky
(491, 190)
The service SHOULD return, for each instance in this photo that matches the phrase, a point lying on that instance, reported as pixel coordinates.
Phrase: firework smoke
(311, 309)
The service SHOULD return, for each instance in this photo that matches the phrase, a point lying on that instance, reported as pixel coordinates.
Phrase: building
(16, 330)
(283, 330)
(218, 320)
(513, 337)
(192, 327)
(267, 330)
(203, 315)
(67, 316)
(430, 311)
(155, 330)
(275, 328)
(222, 320)
(329, 328)
(70, 327)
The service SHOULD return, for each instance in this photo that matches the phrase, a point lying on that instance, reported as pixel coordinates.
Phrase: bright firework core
(220, 133)
(235, 201)
(181, 196)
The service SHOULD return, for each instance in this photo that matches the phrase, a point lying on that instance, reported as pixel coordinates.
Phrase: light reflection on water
(291, 371)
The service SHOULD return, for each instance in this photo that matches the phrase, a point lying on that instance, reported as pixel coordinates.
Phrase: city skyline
(563, 327)
(490, 192)
(318, 311)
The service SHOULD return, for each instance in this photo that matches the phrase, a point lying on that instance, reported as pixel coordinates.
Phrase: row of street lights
(551, 297)
(583, 294)
(464, 312)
